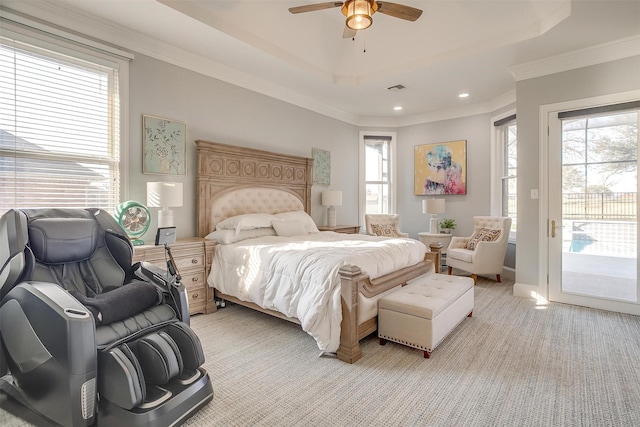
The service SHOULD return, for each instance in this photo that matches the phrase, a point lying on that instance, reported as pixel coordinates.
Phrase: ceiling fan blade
(314, 7)
(407, 13)
(348, 33)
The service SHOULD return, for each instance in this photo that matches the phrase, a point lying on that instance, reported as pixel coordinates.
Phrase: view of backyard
(599, 206)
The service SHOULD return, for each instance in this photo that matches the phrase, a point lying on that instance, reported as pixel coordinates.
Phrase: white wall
(608, 78)
(217, 111)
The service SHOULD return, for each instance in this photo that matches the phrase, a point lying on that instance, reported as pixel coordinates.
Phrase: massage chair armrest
(42, 321)
(175, 292)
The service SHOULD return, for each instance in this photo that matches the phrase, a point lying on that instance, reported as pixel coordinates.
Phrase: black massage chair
(85, 337)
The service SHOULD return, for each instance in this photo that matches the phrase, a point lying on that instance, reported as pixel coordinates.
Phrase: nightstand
(192, 256)
(346, 229)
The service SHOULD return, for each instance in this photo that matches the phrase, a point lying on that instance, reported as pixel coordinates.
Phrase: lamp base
(165, 218)
(331, 216)
(433, 225)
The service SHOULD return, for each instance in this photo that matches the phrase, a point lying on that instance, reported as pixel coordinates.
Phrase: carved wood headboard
(223, 168)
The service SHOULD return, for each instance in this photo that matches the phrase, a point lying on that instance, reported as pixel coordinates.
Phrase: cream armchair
(383, 225)
(483, 252)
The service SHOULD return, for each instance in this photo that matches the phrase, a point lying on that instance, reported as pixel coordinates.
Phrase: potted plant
(447, 224)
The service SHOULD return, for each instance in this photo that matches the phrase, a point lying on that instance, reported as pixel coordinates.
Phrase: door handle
(553, 229)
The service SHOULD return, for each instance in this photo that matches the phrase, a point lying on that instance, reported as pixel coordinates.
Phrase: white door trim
(543, 237)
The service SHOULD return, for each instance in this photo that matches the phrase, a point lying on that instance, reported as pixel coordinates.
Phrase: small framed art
(321, 166)
(164, 146)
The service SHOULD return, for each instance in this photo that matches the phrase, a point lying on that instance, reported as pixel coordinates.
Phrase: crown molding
(124, 38)
(490, 106)
(618, 49)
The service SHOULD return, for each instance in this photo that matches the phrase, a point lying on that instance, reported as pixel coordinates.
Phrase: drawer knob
(195, 279)
(194, 261)
(195, 296)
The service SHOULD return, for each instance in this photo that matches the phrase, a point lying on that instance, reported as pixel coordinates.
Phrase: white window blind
(59, 130)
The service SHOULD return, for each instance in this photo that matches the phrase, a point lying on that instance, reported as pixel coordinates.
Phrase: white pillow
(300, 216)
(225, 237)
(290, 228)
(246, 222)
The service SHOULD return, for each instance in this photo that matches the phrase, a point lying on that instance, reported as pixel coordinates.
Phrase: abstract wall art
(440, 168)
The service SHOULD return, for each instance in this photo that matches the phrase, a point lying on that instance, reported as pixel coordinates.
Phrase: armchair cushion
(465, 255)
(482, 235)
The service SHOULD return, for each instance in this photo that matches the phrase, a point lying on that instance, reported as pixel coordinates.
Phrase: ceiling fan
(359, 12)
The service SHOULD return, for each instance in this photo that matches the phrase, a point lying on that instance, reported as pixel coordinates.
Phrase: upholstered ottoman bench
(424, 311)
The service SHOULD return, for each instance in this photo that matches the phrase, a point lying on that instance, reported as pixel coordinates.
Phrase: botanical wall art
(440, 168)
(164, 145)
(321, 166)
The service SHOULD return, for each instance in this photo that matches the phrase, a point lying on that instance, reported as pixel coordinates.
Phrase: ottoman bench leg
(427, 355)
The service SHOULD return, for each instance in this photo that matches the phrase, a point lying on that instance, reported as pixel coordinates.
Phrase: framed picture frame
(321, 166)
(164, 146)
(440, 168)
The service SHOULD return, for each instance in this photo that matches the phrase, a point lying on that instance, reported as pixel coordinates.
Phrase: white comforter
(298, 276)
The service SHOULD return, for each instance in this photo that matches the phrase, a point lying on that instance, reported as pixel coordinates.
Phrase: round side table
(428, 238)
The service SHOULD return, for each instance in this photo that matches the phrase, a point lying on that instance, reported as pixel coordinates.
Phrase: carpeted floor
(511, 364)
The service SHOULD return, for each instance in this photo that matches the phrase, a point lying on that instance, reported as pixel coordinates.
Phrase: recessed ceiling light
(463, 95)
(398, 108)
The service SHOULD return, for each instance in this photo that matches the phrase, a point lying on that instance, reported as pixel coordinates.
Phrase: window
(505, 144)
(377, 183)
(59, 125)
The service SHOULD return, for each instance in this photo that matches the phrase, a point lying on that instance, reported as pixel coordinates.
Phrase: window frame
(362, 182)
(498, 172)
(40, 35)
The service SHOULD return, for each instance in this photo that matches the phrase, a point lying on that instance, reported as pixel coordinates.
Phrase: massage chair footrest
(184, 402)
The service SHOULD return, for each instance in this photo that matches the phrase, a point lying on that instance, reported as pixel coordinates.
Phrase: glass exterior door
(593, 234)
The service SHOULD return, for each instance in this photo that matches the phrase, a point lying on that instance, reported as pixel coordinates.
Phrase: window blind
(59, 130)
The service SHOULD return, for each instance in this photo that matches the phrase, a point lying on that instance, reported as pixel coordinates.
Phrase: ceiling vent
(397, 87)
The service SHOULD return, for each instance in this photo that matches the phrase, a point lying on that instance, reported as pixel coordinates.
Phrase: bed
(235, 181)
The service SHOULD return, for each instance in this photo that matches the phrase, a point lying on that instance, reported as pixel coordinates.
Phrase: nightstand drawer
(193, 280)
(189, 262)
(197, 299)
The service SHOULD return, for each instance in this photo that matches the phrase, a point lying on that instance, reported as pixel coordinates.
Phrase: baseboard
(509, 273)
(529, 291)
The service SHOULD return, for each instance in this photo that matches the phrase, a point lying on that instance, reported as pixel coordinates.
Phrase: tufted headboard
(234, 180)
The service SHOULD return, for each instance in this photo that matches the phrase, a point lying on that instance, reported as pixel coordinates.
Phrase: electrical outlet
(534, 194)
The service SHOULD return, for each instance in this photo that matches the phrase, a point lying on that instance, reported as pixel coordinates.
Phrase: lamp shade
(433, 206)
(358, 13)
(332, 198)
(164, 194)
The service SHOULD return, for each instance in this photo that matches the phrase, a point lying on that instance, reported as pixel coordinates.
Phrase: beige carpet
(511, 364)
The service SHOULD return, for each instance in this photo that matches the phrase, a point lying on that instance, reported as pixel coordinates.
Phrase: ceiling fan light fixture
(359, 12)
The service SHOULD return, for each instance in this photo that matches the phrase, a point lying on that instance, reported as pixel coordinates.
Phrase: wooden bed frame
(223, 168)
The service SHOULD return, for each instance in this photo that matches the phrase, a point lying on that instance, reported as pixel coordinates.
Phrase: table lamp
(164, 195)
(433, 207)
(331, 199)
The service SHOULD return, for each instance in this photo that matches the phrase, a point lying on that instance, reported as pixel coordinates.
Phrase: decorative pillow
(386, 230)
(482, 235)
(226, 237)
(290, 228)
(246, 222)
(300, 216)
